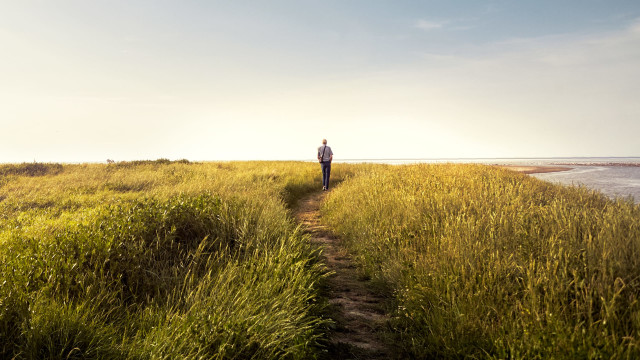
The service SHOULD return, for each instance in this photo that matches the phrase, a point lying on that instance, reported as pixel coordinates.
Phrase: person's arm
(331, 158)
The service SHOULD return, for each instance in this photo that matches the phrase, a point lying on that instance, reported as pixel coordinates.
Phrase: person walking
(325, 156)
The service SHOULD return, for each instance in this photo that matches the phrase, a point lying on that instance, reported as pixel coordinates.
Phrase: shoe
(324, 188)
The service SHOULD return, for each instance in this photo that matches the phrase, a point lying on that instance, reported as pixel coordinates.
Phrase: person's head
(324, 141)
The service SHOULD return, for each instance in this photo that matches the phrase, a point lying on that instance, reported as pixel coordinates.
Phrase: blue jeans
(326, 172)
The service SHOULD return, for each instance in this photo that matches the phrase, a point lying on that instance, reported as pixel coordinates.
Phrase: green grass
(488, 263)
(158, 260)
(166, 260)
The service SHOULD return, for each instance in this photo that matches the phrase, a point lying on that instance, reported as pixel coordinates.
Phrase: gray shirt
(326, 151)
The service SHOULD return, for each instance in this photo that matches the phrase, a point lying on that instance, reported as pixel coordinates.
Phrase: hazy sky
(220, 80)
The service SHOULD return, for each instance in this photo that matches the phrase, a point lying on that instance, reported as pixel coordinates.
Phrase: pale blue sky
(223, 80)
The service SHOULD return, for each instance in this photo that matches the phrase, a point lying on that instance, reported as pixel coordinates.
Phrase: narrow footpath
(357, 309)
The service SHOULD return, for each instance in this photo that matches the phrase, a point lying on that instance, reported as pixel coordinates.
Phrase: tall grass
(157, 260)
(488, 263)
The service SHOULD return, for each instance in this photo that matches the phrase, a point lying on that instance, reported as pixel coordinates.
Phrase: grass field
(484, 262)
(166, 260)
(157, 260)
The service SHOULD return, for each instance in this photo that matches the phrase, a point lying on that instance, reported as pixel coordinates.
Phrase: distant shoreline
(535, 169)
(601, 164)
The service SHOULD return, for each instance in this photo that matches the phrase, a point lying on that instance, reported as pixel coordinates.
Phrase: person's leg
(324, 175)
(328, 175)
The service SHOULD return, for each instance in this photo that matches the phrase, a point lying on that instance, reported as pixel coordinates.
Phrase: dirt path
(357, 308)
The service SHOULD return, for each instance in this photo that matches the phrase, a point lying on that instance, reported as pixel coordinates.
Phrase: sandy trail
(358, 309)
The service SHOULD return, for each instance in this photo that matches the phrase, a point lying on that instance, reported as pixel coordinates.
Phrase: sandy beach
(535, 169)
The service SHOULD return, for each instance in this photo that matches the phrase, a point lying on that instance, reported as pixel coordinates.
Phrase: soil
(356, 307)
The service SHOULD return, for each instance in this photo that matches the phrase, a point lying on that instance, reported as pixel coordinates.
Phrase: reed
(484, 262)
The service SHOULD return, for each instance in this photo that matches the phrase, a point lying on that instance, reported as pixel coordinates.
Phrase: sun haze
(84, 81)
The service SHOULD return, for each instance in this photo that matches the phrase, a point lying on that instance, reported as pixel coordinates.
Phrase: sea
(613, 176)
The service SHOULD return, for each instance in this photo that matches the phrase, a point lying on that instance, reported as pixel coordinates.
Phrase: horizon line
(339, 160)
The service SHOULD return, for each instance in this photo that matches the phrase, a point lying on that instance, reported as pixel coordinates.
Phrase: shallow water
(614, 181)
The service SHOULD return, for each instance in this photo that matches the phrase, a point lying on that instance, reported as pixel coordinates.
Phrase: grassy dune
(157, 260)
(487, 263)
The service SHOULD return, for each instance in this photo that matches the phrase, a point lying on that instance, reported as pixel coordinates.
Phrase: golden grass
(488, 263)
(163, 260)
(157, 260)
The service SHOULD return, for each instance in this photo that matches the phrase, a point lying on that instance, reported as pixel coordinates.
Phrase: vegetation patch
(30, 169)
(158, 162)
(489, 263)
(165, 260)
(200, 262)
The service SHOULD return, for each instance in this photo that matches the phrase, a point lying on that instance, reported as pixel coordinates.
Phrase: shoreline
(535, 169)
(558, 167)
(601, 164)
